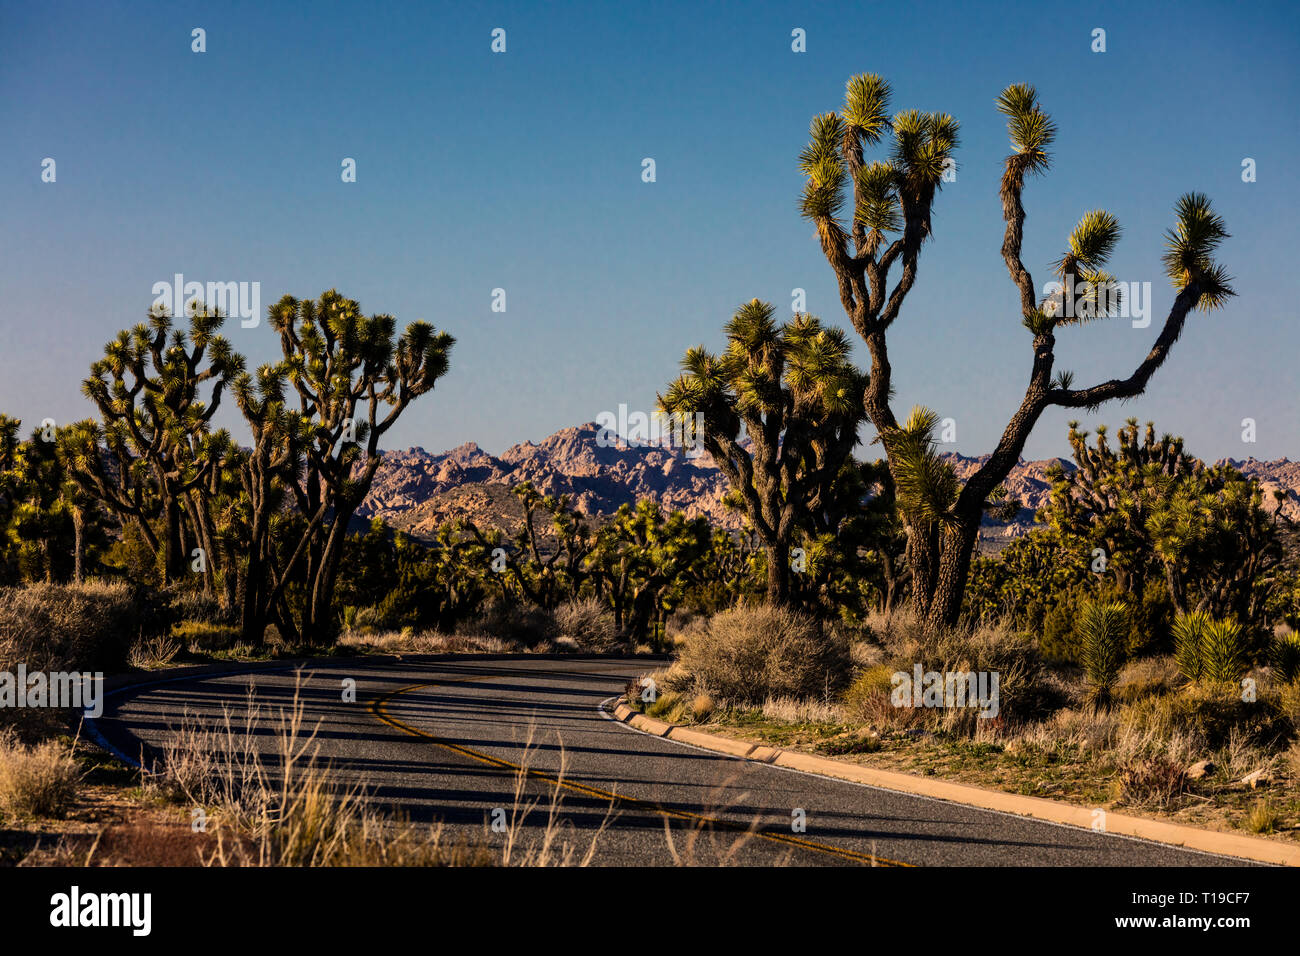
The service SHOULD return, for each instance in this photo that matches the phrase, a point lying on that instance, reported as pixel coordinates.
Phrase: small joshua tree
(798, 399)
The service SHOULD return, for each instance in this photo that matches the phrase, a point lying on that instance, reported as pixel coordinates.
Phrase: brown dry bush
(36, 781)
(1156, 779)
(588, 622)
(1027, 689)
(748, 654)
(89, 626)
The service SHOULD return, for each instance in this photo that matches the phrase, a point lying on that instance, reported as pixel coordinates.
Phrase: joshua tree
(887, 223)
(799, 400)
(249, 522)
(548, 575)
(1106, 499)
(149, 389)
(353, 379)
(1151, 505)
(642, 557)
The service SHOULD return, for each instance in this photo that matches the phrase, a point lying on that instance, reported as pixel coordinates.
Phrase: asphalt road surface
(444, 740)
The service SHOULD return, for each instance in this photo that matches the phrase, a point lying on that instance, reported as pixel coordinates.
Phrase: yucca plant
(1223, 652)
(1286, 656)
(1102, 630)
(1189, 632)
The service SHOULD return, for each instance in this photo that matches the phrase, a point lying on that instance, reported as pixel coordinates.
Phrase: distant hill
(416, 491)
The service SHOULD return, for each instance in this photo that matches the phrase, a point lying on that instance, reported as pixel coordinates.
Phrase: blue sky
(522, 171)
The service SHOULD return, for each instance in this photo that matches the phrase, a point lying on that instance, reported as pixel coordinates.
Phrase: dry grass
(39, 780)
(427, 642)
(1262, 817)
(796, 711)
(153, 652)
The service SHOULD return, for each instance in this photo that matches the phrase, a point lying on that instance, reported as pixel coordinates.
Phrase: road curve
(443, 739)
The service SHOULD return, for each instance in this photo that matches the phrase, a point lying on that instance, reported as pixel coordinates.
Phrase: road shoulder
(1053, 811)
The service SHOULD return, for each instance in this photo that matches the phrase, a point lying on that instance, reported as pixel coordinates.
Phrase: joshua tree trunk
(78, 543)
(778, 572)
(173, 550)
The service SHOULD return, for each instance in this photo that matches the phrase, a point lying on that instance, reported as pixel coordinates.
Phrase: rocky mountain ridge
(416, 490)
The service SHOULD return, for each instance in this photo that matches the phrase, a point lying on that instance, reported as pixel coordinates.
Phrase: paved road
(442, 739)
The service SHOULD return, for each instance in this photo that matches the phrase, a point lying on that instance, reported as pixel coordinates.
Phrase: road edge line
(1039, 808)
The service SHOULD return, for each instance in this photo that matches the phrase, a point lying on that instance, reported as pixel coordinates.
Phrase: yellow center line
(379, 709)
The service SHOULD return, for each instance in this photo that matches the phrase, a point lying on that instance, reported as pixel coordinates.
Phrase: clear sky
(523, 171)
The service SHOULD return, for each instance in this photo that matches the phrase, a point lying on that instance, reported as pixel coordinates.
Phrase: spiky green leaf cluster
(1031, 130)
(1101, 632)
(924, 484)
(1190, 247)
(1188, 631)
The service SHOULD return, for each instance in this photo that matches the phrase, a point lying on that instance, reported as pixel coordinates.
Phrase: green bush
(1209, 649)
(1223, 651)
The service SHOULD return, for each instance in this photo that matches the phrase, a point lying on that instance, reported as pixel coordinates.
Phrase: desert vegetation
(1143, 635)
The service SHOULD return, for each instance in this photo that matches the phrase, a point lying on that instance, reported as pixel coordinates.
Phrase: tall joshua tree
(799, 400)
(887, 224)
(352, 377)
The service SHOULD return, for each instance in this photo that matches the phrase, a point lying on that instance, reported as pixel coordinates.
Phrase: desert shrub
(36, 781)
(76, 627)
(1146, 676)
(866, 701)
(1213, 714)
(1026, 689)
(1102, 634)
(151, 652)
(893, 629)
(1146, 626)
(191, 605)
(702, 707)
(747, 654)
(528, 624)
(1285, 656)
(1059, 642)
(203, 636)
(588, 623)
(1151, 780)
